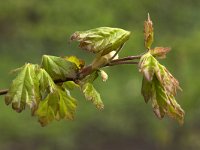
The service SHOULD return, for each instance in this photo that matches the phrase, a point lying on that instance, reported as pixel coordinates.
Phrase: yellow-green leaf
(92, 95)
(79, 62)
(24, 89)
(58, 104)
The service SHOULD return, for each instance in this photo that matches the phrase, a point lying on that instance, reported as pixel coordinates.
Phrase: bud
(102, 60)
(148, 32)
(160, 52)
(104, 75)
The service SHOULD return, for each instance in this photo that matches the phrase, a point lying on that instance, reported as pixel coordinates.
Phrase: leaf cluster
(46, 88)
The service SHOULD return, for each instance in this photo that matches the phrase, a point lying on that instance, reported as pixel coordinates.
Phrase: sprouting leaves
(59, 68)
(160, 87)
(46, 88)
(101, 40)
(57, 105)
(148, 33)
(36, 87)
(24, 89)
(56, 102)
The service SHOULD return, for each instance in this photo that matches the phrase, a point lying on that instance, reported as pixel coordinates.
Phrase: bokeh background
(29, 29)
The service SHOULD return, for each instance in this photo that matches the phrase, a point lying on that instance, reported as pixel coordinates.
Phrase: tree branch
(120, 63)
(127, 58)
(88, 70)
(3, 92)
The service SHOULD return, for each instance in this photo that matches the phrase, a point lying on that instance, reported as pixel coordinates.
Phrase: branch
(120, 63)
(127, 58)
(4, 91)
(88, 70)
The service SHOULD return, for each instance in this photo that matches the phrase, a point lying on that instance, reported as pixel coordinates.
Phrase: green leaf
(148, 66)
(59, 68)
(70, 85)
(146, 89)
(89, 91)
(57, 105)
(92, 95)
(148, 33)
(101, 40)
(47, 108)
(165, 103)
(46, 83)
(24, 89)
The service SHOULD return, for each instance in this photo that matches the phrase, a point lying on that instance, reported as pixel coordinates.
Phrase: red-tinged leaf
(160, 52)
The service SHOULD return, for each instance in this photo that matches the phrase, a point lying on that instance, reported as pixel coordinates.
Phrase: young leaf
(92, 95)
(148, 66)
(101, 40)
(90, 92)
(70, 85)
(146, 89)
(46, 83)
(79, 63)
(57, 105)
(160, 52)
(24, 89)
(59, 68)
(168, 81)
(166, 103)
(148, 33)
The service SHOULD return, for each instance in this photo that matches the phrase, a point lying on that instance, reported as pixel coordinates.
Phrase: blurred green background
(30, 28)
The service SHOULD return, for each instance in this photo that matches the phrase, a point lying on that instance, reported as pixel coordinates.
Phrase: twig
(88, 69)
(120, 63)
(127, 58)
(3, 92)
